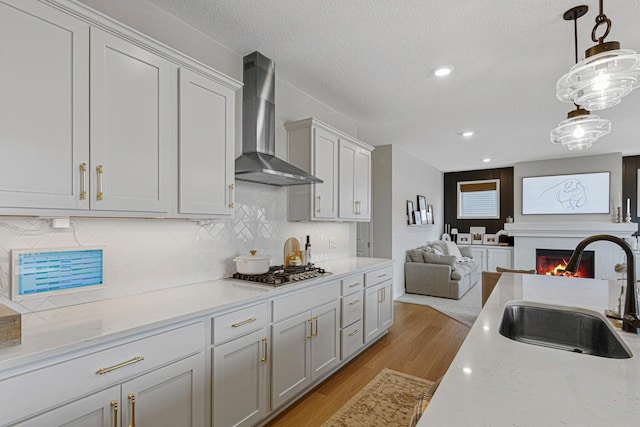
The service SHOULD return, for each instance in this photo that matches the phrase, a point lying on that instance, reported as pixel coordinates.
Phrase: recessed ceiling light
(442, 71)
(467, 133)
(486, 160)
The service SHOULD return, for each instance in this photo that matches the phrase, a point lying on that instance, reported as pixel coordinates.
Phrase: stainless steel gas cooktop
(281, 275)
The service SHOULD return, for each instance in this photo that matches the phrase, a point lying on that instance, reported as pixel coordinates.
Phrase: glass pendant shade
(580, 130)
(602, 80)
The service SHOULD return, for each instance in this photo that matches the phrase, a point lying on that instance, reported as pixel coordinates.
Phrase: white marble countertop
(58, 331)
(494, 381)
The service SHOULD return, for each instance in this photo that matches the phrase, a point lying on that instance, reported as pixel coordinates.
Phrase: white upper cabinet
(313, 147)
(93, 120)
(132, 116)
(355, 180)
(44, 107)
(206, 146)
(340, 161)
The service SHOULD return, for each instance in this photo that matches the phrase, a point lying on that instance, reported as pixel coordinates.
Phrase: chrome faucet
(630, 320)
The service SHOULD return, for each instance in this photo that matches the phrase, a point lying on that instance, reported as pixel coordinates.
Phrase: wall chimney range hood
(258, 162)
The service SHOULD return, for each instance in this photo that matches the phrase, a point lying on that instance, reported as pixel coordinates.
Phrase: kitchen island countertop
(494, 381)
(58, 331)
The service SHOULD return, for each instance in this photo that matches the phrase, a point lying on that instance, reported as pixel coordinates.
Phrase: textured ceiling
(371, 61)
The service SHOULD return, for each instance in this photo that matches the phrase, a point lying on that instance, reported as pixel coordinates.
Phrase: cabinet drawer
(292, 304)
(76, 376)
(352, 339)
(378, 276)
(353, 284)
(351, 308)
(238, 323)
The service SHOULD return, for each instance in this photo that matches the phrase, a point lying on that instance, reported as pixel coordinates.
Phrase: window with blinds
(479, 199)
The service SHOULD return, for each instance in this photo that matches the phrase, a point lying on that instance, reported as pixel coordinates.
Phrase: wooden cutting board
(291, 248)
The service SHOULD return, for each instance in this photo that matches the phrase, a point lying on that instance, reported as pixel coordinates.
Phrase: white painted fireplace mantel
(529, 236)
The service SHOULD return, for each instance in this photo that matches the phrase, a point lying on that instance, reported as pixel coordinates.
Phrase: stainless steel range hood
(258, 162)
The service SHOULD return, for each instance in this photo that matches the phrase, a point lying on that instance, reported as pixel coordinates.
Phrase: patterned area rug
(388, 400)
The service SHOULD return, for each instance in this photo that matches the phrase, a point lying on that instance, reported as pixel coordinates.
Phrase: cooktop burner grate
(280, 275)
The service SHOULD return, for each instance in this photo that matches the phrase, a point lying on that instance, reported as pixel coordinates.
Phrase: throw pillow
(415, 255)
(452, 249)
(449, 260)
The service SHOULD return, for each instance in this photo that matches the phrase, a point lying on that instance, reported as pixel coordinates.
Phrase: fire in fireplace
(549, 261)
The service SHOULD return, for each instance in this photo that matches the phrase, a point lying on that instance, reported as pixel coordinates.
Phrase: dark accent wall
(451, 179)
(630, 166)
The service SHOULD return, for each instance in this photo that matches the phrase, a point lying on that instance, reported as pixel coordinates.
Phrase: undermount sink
(571, 329)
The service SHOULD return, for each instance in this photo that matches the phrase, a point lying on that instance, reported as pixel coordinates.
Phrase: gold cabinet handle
(382, 275)
(384, 294)
(358, 207)
(310, 328)
(354, 302)
(264, 350)
(354, 332)
(244, 322)
(114, 405)
(354, 285)
(83, 181)
(132, 399)
(99, 173)
(136, 359)
(318, 210)
(315, 334)
(355, 207)
(380, 295)
(230, 196)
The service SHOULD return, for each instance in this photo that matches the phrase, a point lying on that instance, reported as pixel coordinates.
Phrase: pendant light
(580, 129)
(604, 77)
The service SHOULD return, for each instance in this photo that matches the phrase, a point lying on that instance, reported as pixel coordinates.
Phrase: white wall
(565, 166)
(399, 176)
(145, 255)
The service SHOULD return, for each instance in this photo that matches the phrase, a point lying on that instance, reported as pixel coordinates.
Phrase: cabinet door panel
(131, 124)
(325, 167)
(371, 312)
(290, 365)
(239, 381)
(499, 258)
(386, 307)
(346, 192)
(206, 164)
(325, 344)
(92, 411)
(363, 184)
(44, 82)
(167, 397)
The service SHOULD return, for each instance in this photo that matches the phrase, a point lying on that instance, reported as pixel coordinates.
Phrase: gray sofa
(428, 271)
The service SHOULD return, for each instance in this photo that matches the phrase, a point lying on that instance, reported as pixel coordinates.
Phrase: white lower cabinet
(305, 347)
(240, 380)
(167, 397)
(491, 257)
(378, 310)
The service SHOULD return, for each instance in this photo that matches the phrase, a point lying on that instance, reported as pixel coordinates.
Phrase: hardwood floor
(422, 342)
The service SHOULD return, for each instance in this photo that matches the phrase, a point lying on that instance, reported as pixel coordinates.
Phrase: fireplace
(548, 261)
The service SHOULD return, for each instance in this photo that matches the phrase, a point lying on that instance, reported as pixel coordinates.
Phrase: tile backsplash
(147, 254)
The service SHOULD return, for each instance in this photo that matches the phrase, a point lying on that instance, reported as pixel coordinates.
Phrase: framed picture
(417, 217)
(586, 193)
(430, 219)
(422, 207)
(476, 234)
(490, 240)
(410, 212)
(464, 238)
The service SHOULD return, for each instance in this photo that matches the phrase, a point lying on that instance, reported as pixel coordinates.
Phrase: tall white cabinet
(44, 110)
(341, 161)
